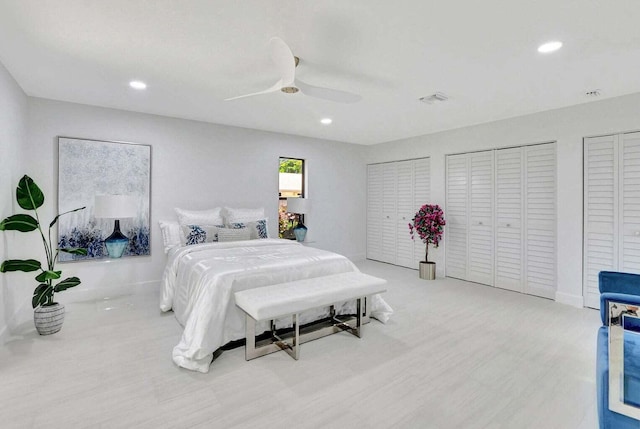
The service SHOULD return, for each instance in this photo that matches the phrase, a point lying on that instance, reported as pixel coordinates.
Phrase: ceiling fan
(286, 62)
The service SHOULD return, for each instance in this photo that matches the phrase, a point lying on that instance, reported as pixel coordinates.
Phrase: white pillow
(257, 229)
(200, 217)
(230, 234)
(232, 215)
(171, 235)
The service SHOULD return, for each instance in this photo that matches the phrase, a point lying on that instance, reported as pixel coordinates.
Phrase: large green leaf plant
(30, 197)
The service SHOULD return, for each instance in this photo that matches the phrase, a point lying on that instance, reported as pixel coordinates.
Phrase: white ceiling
(195, 53)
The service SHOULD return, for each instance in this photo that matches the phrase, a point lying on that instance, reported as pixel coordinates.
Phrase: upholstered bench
(290, 299)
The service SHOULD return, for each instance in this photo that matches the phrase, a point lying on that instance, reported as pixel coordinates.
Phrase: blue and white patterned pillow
(258, 228)
(197, 234)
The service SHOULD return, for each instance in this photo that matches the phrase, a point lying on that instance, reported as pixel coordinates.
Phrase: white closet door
(421, 196)
(405, 210)
(481, 256)
(629, 243)
(389, 212)
(509, 219)
(456, 214)
(540, 213)
(374, 211)
(600, 213)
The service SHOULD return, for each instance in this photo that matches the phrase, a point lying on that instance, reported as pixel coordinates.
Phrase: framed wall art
(113, 181)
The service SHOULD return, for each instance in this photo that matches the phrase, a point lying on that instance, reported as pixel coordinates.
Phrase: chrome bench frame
(291, 341)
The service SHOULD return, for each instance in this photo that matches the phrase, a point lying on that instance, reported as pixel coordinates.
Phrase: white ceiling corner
(195, 53)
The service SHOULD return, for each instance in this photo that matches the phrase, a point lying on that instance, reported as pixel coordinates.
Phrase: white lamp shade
(115, 206)
(298, 205)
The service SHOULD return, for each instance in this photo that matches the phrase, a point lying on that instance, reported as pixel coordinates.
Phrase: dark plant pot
(427, 270)
(48, 318)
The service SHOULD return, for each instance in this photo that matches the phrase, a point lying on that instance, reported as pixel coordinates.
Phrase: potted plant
(428, 224)
(48, 315)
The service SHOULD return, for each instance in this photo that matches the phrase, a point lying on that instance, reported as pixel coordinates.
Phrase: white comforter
(199, 282)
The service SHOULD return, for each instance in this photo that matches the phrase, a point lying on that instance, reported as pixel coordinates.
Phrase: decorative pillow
(257, 229)
(230, 234)
(200, 217)
(232, 215)
(196, 234)
(171, 236)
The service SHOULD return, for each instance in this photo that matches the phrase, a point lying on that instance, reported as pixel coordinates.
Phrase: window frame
(303, 191)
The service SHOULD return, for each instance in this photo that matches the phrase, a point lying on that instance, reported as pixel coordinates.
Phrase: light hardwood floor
(454, 355)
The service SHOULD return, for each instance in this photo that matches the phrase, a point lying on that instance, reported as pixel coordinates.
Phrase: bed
(199, 282)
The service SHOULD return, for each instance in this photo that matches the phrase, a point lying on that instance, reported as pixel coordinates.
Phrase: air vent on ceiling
(593, 93)
(434, 98)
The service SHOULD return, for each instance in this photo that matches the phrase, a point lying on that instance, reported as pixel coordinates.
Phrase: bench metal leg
(294, 351)
(292, 347)
(364, 309)
(250, 331)
(277, 344)
(355, 330)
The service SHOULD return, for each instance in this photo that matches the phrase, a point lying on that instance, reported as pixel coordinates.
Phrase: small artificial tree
(30, 197)
(428, 223)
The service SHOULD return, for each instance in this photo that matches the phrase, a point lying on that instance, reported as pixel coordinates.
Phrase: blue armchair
(620, 313)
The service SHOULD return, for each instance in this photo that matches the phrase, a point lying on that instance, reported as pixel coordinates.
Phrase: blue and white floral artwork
(88, 168)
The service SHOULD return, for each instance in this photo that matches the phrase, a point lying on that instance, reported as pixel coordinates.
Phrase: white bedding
(199, 282)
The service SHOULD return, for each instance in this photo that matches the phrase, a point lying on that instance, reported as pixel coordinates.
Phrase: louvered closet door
(540, 213)
(389, 213)
(405, 210)
(481, 259)
(421, 196)
(456, 214)
(629, 243)
(374, 212)
(600, 213)
(509, 266)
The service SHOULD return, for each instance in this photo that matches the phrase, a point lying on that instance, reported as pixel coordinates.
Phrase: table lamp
(115, 207)
(299, 206)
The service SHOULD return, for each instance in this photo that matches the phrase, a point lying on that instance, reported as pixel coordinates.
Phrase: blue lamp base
(117, 242)
(300, 231)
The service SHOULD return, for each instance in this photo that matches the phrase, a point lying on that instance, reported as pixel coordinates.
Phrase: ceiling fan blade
(327, 93)
(274, 88)
(284, 60)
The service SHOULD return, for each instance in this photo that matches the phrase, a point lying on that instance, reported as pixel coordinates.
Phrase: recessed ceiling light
(549, 47)
(326, 121)
(137, 84)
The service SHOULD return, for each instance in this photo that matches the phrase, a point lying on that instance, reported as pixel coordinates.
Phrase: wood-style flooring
(454, 355)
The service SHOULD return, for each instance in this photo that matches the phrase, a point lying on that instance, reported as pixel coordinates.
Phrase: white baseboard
(358, 257)
(102, 292)
(568, 299)
(24, 313)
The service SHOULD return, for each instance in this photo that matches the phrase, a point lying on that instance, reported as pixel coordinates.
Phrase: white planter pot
(427, 270)
(49, 319)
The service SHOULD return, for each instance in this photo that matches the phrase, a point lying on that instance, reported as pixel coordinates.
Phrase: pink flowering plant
(428, 223)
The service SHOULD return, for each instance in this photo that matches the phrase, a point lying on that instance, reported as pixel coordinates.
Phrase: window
(290, 185)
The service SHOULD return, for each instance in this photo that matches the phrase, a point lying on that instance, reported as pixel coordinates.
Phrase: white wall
(566, 126)
(197, 165)
(13, 120)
